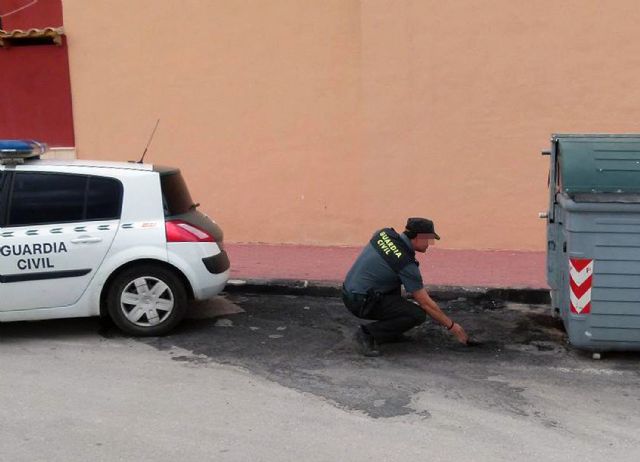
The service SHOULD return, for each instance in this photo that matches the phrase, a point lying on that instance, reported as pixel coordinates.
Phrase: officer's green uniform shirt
(370, 271)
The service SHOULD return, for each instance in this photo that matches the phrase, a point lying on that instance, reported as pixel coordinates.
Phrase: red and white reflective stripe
(580, 281)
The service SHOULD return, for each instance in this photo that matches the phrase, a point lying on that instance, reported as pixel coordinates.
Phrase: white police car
(81, 238)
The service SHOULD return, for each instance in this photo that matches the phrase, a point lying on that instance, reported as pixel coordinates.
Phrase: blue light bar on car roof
(22, 148)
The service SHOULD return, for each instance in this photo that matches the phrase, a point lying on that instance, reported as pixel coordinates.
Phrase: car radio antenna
(149, 142)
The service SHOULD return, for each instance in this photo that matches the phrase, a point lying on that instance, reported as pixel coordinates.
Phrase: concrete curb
(333, 289)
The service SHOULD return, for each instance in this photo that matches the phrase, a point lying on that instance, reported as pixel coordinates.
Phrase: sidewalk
(298, 266)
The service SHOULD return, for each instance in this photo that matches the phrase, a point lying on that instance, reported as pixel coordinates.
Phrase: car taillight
(181, 231)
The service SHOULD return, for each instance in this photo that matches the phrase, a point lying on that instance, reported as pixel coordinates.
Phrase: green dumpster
(593, 239)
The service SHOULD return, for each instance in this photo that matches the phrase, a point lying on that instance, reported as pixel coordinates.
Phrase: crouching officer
(371, 289)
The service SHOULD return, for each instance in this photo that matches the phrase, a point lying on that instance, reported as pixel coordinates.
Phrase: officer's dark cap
(421, 226)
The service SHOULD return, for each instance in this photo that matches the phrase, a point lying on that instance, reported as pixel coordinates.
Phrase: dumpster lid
(599, 163)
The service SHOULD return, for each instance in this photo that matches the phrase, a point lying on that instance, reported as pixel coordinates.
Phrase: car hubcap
(147, 301)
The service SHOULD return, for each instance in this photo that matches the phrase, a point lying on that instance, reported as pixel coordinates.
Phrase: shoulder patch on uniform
(388, 244)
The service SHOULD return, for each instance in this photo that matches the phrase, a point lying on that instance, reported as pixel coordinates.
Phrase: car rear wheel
(147, 300)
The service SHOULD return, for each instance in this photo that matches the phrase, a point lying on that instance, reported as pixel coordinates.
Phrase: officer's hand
(460, 334)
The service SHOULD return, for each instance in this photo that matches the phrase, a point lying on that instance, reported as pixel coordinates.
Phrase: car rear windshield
(175, 195)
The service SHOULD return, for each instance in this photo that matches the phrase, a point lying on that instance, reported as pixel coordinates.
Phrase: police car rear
(83, 238)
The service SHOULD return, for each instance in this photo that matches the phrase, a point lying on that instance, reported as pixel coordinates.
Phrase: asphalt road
(256, 377)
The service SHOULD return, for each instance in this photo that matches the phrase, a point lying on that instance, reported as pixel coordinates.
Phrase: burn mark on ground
(306, 343)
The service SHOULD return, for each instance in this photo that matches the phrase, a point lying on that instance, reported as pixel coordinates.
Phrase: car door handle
(86, 240)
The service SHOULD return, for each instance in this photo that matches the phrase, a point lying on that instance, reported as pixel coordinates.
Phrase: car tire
(147, 300)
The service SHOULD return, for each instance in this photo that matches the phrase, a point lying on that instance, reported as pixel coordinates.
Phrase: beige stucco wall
(317, 121)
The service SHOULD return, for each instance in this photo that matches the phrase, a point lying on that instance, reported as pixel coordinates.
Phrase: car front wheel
(147, 300)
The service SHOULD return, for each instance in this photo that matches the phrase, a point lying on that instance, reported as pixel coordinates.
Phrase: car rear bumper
(217, 264)
(196, 261)
(212, 286)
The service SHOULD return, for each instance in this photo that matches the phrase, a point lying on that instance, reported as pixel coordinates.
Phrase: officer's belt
(353, 297)
(358, 298)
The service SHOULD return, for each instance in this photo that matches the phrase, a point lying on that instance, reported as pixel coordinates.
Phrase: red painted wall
(38, 15)
(35, 90)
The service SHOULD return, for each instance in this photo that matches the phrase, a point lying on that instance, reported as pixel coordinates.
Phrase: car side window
(104, 198)
(2, 197)
(39, 198)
